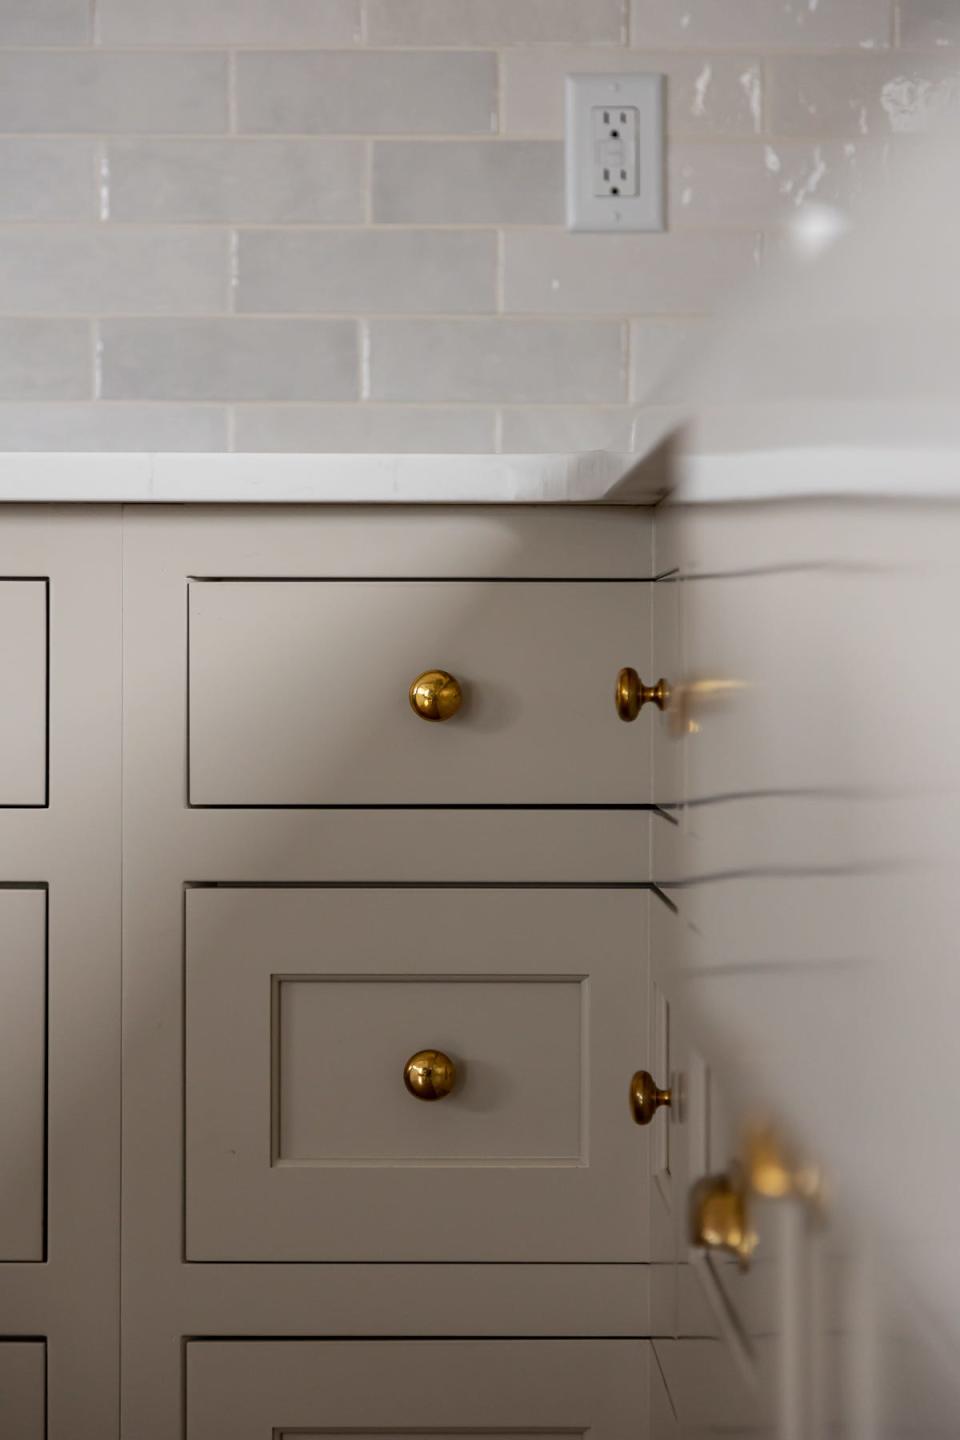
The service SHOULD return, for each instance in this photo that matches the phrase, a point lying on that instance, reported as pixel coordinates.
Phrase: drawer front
(22, 1389)
(303, 1142)
(299, 692)
(23, 1000)
(23, 715)
(275, 1390)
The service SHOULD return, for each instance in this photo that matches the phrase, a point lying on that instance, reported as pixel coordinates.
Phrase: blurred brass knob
(631, 694)
(429, 1075)
(435, 695)
(719, 1219)
(646, 1098)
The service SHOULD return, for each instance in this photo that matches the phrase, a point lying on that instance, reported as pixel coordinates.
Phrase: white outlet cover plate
(585, 210)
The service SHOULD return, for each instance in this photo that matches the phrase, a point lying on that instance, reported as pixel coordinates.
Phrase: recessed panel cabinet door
(22, 1386)
(299, 692)
(23, 714)
(23, 989)
(275, 1390)
(304, 1142)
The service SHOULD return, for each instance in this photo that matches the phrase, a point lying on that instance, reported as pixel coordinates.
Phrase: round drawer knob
(646, 1098)
(719, 1218)
(429, 1075)
(631, 694)
(435, 695)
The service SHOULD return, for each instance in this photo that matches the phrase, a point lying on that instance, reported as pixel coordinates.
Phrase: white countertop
(595, 477)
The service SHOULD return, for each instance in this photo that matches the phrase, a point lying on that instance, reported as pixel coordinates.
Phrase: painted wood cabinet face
(258, 1390)
(302, 1007)
(23, 715)
(22, 1385)
(299, 692)
(23, 1001)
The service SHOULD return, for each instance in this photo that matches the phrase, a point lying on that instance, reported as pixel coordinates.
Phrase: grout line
(364, 360)
(102, 160)
(94, 23)
(498, 431)
(232, 92)
(233, 271)
(895, 24)
(368, 181)
(231, 429)
(364, 37)
(498, 118)
(500, 271)
(96, 343)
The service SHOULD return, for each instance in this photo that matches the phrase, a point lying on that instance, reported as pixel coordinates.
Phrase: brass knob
(646, 1098)
(631, 694)
(719, 1217)
(435, 695)
(429, 1075)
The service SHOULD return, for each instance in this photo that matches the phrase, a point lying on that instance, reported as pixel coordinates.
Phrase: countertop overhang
(592, 478)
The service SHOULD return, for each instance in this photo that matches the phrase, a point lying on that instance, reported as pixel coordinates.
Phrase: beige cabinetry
(22, 1387)
(255, 1390)
(23, 716)
(298, 692)
(303, 1142)
(23, 1065)
(59, 972)
(321, 884)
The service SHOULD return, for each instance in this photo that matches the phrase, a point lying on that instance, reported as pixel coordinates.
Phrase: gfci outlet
(614, 152)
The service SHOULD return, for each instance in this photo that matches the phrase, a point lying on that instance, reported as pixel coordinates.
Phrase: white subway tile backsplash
(765, 184)
(45, 360)
(663, 355)
(47, 179)
(860, 95)
(703, 24)
(550, 272)
(495, 22)
(707, 95)
(56, 91)
(558, 428)
(229, 359)
(265, 181)
(337, 224)
(378, 271)
(929, 22)
(44, 22)
(374, 429)
(229, 22)
(370, 92)
(113, 427)
(468, 182)
(95, 270)
(512, 361)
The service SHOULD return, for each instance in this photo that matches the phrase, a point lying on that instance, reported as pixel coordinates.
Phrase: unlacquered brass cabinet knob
(435, 695)
(719, 1216)
(429, 1075)
(631, 694)
(646, 1097)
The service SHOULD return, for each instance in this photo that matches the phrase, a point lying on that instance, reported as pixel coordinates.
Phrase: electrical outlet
(614, 152)
(614, 149)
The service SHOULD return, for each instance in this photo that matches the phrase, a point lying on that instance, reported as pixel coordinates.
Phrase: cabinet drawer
(299, 692)
(274, 1390)
(23, 988)
(302, 1007)
(23, 715)
(22, 1387)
